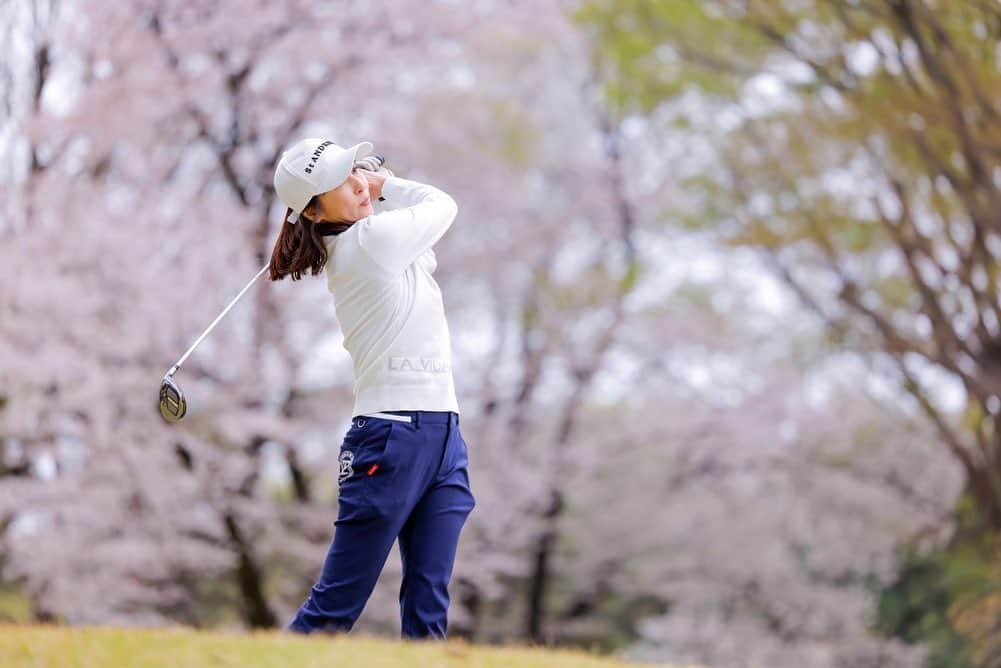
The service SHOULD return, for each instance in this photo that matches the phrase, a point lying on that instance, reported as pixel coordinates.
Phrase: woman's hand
(375, 181)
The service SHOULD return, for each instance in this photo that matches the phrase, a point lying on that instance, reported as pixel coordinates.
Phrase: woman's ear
(310, 211)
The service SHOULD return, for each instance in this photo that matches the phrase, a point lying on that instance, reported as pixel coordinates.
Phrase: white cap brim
(338, 167)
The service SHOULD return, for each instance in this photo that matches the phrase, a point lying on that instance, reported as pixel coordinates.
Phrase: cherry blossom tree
(612, 484)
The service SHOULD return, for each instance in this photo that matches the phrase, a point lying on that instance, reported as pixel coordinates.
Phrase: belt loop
(417, 419)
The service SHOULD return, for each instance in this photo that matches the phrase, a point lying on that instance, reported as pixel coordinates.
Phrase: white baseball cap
(311, 167)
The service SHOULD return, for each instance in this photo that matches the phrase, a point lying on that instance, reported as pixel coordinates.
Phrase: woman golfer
(402, 463)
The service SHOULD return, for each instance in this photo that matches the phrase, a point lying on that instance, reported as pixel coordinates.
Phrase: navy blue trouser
(405, 480)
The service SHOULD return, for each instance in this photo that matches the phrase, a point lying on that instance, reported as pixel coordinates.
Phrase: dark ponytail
(301, 246)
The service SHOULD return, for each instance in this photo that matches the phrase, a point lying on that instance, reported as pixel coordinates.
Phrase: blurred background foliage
(879, 137)
(723, 293)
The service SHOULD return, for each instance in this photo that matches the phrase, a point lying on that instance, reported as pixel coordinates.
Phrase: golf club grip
(374, 163)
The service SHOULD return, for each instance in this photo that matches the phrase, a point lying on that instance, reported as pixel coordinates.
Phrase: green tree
(868, 174)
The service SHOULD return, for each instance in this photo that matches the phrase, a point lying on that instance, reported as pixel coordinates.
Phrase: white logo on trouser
(346, 459)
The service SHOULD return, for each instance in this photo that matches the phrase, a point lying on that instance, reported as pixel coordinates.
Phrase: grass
(82, 647)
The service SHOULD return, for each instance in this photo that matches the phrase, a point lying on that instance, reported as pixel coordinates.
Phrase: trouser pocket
(362, 456)
(376, 463)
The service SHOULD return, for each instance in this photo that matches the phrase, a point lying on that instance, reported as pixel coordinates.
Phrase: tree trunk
(541, 571)
(255, 611)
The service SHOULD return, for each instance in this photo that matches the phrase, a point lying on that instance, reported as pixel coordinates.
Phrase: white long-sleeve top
(388, 304)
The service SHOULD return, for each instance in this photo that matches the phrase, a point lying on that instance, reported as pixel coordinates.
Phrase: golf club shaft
(194, 345)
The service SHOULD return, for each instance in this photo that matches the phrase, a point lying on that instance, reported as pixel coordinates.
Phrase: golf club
(172, 403)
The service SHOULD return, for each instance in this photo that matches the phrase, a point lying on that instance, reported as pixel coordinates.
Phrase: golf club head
(172, 403)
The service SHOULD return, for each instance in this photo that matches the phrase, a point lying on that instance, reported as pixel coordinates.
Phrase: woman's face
(347, 203)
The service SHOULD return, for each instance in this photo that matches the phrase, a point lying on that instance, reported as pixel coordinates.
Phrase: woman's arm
(419, 216)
